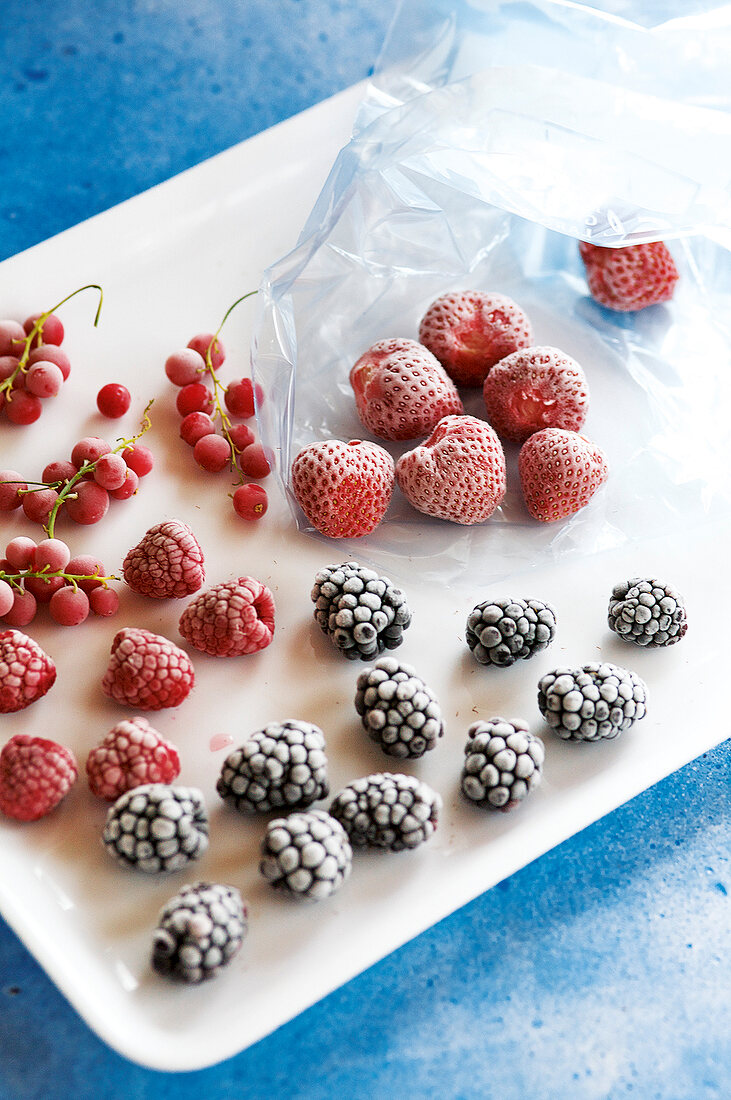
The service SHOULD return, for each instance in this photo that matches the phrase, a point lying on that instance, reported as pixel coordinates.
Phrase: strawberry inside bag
(493, 139)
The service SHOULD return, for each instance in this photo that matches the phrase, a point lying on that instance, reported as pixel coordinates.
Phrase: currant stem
(36, 331)
(15, 579)
(88, 467)
(218, 409)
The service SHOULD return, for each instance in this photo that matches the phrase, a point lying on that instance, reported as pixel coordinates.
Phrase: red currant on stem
(250, 501)
(40, 335)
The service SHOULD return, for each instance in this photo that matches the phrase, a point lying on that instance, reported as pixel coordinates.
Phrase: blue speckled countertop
(601, 970)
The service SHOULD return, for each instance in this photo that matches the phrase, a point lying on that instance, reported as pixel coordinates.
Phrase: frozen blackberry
(307, 854)
(157, 827)
(281, 766)
(503, 763)
(647, 612)
(500, 632)
(590, 703)
(361, 613)
(199, 931)
(398, 710)
(387, 811)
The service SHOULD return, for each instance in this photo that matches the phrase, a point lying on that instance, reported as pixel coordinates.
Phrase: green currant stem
(15, 579)
(37, 330)
(218, 409)
(89, 467)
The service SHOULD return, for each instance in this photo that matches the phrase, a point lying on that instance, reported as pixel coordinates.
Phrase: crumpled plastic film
(487, 182)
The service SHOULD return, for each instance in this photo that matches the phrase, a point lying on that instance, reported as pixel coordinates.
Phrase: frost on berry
(470, 331)
(535, 388)
(26, 671)
(344, 489)
(132, 753)
(629, 278)
(35, 774)
(147, 671)
(401, 390)
(231, 619)
(167, 563)
(457, 474)
(559, 473)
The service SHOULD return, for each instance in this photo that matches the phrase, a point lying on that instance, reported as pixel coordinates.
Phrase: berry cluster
(536, 396)
(33, 573)
(208, 409)
(82, 485)
(33, 365)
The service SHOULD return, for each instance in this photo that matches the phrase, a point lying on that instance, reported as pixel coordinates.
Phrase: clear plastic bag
(486, 182)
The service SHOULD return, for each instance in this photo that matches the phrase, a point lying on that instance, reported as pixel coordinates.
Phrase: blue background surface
(601, 970)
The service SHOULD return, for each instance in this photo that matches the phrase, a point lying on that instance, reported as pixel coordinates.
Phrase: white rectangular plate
(171, 261)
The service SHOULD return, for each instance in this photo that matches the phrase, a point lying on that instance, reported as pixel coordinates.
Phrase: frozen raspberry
(344, 489)
(132, 753)
(198, 932)
(629, 278)
(231, 619)
(559, 473)
(147, 671)
(469, 331)
(458, 473)
(157, 828)
(35, 774)
(535, 388)
(26, 672)
(401, 390)
(167, 563)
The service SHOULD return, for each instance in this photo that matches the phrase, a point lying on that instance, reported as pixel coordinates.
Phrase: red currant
(110, 471)
(10, 485)
(12, 337)
(89, 449)
(19, 552)
(194, 398)
(194, 426)
(49, 353)
(51, 331)
(113, 400)
(254, 461)
(69, 606)
(42, 588)
(89, 504)
(239, 398)
(202, 342)
(184, 367)
(22, 407)
(241, 436)
(52, 554)
(37, 505)
(212, 452)
(59, 471)
(250, 501)
(89, 568)
(6, 598)
(23, 610)
(139, 458)
(44, 379)
(103, 601)
(128, 488)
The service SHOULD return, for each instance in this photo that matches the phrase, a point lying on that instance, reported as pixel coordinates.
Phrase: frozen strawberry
(231, 619)
(629, 278)
(344, 489)
(26, 672)
(166, 563)
(401, 390)
(469, 331)
(535, 388)
(35, 774)
(147, 671)
(559, 472)
(132, 753)
(458, 473)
